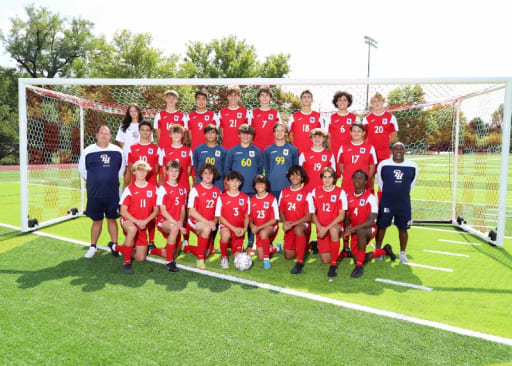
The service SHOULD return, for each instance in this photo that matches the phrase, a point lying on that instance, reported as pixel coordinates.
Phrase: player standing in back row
(231, 118)
(199, 119)
(302, 122)
(168, 117)
(263, 120)
(338, 125)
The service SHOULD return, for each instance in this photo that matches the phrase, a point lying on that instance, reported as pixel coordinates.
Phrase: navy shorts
(401, 217)
(100, 207)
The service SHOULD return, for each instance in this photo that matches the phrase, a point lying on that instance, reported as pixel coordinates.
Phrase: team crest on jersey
(217, 153)
(333, 198)
(183, 154)
(384, 121)
(362, 150)
(150, 151)
(239, 115)
(324, 157)
(362, 201)
(285, 152)
(241, 201)
(299, 197)
(214, 194)
(266, 205)
(176, 118)
(251, 154)
(398, 174)
(149, 193)
(271, 117)
(105, 159)
(206, 118)
(311, 119)
(181, 192)
(349, 121)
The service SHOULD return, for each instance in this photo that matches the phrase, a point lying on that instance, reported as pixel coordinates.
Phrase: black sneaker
(128, 269)
(314, 246)
(333, 271)
(389, 252)
(357, 272)
(114, 253)
(298, 268)
(171, 266)
(347, 250)
(151, 246)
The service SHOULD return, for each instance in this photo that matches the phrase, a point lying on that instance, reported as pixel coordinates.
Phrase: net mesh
(426, 115)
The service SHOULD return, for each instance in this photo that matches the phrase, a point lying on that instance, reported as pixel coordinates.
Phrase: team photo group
(243, 175)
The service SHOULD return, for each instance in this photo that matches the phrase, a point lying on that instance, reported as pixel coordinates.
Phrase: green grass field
(60, 308)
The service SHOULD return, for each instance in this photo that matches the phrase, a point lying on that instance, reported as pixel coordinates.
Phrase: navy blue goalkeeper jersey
(212, 155)
(246, 160)
(278, 160)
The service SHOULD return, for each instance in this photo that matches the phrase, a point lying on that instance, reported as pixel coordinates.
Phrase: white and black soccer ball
(243, 262)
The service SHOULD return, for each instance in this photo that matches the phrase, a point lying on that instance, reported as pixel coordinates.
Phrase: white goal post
(463, 177)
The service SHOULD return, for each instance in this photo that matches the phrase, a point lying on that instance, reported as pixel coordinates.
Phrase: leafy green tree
(46, 44)
(230, 58)
(8, 116)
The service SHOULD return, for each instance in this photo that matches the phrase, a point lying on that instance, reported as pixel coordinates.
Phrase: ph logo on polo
(105, 159)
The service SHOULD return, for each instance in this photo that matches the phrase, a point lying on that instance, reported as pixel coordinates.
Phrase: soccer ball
(243, 262)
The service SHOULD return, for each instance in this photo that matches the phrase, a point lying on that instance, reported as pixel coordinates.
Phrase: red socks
(265, 245)
(169, 252)
(360, 258)
(126, 252)
(378, 253)
(156, 251)
(300, 243)
(224, 249)
(202, 244)
(335, 250)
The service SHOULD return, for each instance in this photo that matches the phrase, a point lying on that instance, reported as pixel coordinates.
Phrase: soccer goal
(457, 131)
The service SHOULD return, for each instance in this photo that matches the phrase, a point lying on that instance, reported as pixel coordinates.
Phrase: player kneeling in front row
(171, 199)
(330, 203)
(138, 208)
(295, 206)
(360, 223)
(233, 213)
(201, 211)
(263, 219)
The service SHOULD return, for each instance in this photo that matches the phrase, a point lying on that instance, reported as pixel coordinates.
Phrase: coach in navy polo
(101, 165)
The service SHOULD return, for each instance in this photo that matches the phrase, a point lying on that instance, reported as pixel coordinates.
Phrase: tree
(230, 58)
(8, 116)
(45, 45)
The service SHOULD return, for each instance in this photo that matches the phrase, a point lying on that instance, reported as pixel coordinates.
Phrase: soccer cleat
(379, 259)
(224, 263)
(389, 252)
(250, 251)
(171, 266)
(347, 250)
(279, 248)
(112, 251)
(200, 264)
(403, 258)
(298, 268)
(314, 246)
(151, 246)
(128, 269)
(91, 252)
(266, 264)
(333, 271)
(357, 272)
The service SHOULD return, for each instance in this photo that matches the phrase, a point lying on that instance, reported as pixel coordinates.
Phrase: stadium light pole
(371, 43)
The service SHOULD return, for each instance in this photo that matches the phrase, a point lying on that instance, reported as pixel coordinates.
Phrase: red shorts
(276, 230)
(236, 243)
(289, 237)
(353, 239)
(324, 244)
(141, 238)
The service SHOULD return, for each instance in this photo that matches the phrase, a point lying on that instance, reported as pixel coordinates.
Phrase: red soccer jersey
(173, 198)
(355, 157)
(301, 124)
(163, 120)
(229, 121)
(204, 200)
(263, 122)
(313, 162)
(360, 207)
(328, 203)
(233, 208)
(263, 209)
(295, 204)
(378, 129)
(338, 127)
(147, 153)
(183, 154)
(139, 200)
(197, 121)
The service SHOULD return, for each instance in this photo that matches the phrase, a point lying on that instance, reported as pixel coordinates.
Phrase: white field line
(458, 242)
(404, 284)
(430, 267)
(447, 231)
(445, 253)
(305, 295)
